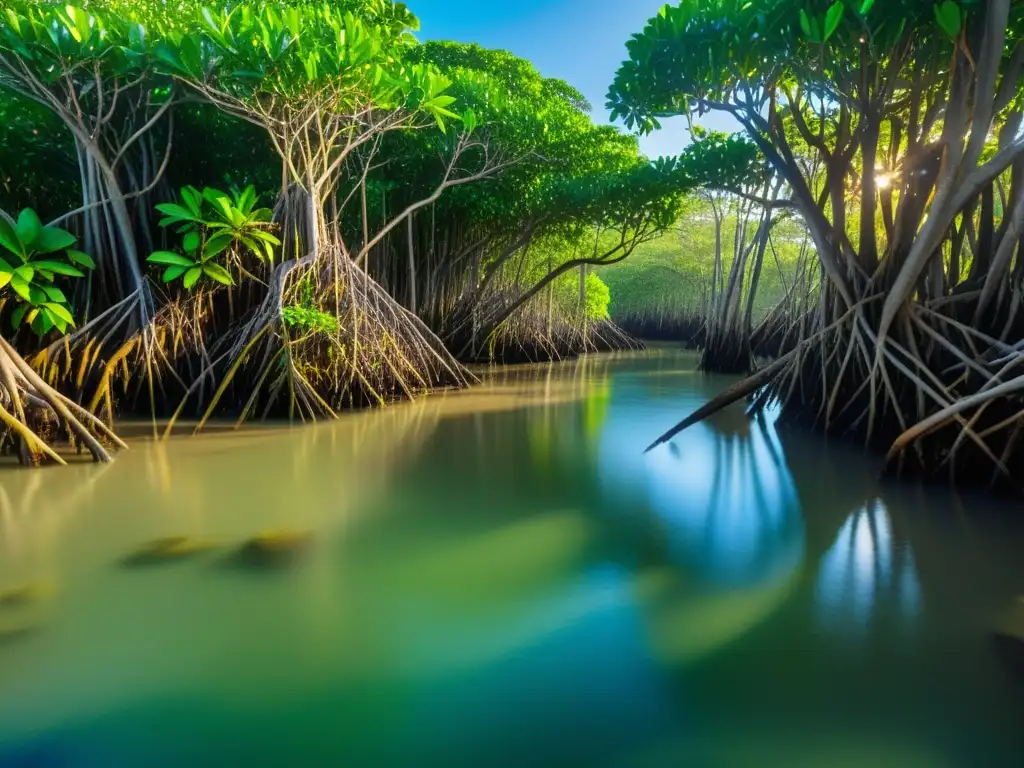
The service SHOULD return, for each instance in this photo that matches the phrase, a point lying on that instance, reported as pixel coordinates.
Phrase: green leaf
(949, 18)
(59, 310)
(218, 273)
(191, 56)
(175, 213)
(29, 227)
(25, 273)
(193, 200)
(832, 19)
(866, 6)
(21, 288)
(81, 259)
(168, 257)
(266, 237)
(217, 244)
(81, 19)
(9, 238)
(18, 315)
(5, 277)
(58, 268)
(52, 239)
(190, 242)
(805, 23)
(247, 199)
(59, 324)
(174, 272)
(192, 275)
(40, 320)
(54, 293)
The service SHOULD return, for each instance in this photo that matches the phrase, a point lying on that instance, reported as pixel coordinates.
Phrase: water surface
(503, 577)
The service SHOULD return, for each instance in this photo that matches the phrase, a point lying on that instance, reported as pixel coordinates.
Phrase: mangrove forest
(282, 210)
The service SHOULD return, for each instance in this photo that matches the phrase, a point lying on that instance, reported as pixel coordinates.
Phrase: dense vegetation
(287, 208)
(895, 129)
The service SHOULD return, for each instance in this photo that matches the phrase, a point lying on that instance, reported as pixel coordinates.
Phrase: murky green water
(502, 577)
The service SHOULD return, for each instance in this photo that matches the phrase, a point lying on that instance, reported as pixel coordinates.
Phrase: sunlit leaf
(169, 257)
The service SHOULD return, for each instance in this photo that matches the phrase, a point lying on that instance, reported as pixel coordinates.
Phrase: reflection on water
(504, 577)
(864, 573)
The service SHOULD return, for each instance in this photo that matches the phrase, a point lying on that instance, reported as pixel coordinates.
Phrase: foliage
(32, 256)
(215, 227)
(309, 319)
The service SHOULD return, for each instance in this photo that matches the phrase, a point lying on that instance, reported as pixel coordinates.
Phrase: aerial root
(27, 404)
(324, 336)
(941, 393)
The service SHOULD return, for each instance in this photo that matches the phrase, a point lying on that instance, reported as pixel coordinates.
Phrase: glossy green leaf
(52, 239)
(58, 268)
(832, 19)
(168, 257)
(218, 273)
(81, 259)
(57, 322)
(29, 227)
(40, 321)
(59, 310)
(21, 288)
(173, 272)
(9, 238)
(192, 276)
(18, 315)
(805, 23)
(54, 293)
(216, 245)
(949, 18)
(177, 212)
(190, 242)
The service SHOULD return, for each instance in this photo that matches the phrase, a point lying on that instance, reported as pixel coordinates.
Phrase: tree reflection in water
(865, 573)
(723, 502)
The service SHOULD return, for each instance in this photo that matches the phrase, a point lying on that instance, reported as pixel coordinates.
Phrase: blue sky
(580, 41)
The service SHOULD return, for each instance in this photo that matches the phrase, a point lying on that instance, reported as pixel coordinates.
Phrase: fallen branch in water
(728, 397)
